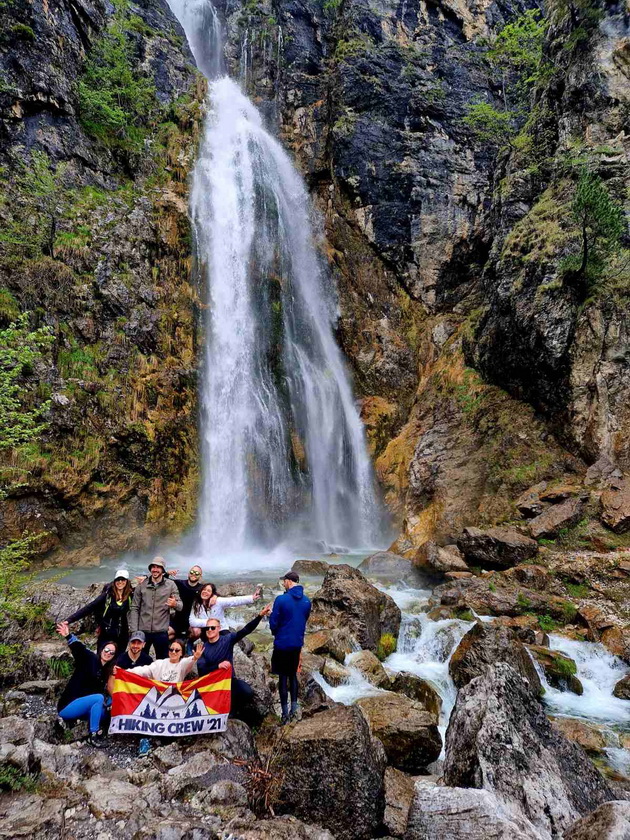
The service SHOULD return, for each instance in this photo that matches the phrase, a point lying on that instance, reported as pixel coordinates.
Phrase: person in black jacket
(218, 653)
(111, 609)
(135, 653)
(84, 697)
(187, 590)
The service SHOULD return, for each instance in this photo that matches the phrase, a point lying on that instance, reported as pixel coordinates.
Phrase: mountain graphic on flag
(170, 704)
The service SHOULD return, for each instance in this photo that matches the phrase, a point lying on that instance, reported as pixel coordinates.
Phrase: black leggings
(286, 684)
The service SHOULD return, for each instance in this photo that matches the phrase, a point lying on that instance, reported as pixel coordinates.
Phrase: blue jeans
(91, 708)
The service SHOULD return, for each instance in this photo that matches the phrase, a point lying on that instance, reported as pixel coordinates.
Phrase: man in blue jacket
(288, 623)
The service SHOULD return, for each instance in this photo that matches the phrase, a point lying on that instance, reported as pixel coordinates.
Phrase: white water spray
(284, 455)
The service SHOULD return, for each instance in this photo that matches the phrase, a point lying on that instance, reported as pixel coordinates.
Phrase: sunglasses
(195, 574)
(109, 651)
(213, 626)
(175, 649)
(117, 579)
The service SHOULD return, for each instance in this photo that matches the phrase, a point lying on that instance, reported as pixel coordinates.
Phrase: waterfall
(283, 447)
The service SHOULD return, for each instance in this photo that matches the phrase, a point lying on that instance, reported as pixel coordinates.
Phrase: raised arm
(88, 609)
(235, 601)
(252, 625)
(145, 670)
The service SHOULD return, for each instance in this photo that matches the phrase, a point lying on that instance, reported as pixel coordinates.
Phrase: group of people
(184, 623)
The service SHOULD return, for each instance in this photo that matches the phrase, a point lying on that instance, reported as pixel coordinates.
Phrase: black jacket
(111, 617)
(179, 621)
(88, 677)
(125, 661)
(223, 649)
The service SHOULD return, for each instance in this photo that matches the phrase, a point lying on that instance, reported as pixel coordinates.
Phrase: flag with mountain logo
(149, 707)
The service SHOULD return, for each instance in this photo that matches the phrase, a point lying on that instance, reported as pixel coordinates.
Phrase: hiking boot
(95, 739)
(144, 747)
(285, 717)
(295, 711)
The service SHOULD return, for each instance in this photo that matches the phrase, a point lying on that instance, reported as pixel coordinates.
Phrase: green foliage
(20, 349)
(331, 7)
(116, 103)
(578, 590)
(492, 587)
(23, 31)
(386, 646)
(523, 601)
(12, 778)
(9, 309)
(464, 615)
(569, 610)
(564, 667)
(60, 669)
(488, 124)
(547, 624)
(601, 223)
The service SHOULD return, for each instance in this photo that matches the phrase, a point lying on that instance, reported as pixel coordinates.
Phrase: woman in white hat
(111, 611)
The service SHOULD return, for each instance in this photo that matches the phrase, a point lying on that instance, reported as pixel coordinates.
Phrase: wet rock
(310, 568)
(333, 773)
(615, 506)
(499, 733)
(419, 690)
(408, 732)
(335, 643)
(399, 793)
(464, 814)
(617, 640)
(611, 821)
(587, 735)
(524, 627)
(560, 670)
(347, 600)
(529, 503)
(370, 667)
(334, 673)
(485, 645)
(555, 518)
(497, 548)
(435, 560)
(254, 670)
(622, 688)
(31, 815)
(389, 566)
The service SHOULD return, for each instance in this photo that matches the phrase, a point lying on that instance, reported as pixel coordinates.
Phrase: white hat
(122, 573)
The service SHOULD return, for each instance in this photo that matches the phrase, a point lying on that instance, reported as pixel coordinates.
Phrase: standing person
(187, 590)
(151, 607)
(111, 609)
(219, 653)
(287, 624)
(208, 604)
(85, 696)
(135, 654)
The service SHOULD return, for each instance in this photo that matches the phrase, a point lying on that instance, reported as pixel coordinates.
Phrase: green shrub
(464, 615)
(547, 624)
(12, 778)
(23, 31)
(386, 646)
(523, 601)
(564, 667)
(488, 124)
(578, 590)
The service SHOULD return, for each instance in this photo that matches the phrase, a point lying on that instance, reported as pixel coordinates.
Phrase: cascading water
(284, 455)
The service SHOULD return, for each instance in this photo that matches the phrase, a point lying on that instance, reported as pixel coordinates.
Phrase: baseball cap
(292, 576)
(138, 636)
(121, 573)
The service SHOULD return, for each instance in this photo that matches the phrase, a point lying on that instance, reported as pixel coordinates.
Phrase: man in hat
(150, 612)
(135, 654)
(287, 623)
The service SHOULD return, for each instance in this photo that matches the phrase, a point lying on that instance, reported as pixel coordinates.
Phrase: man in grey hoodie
(151, 608)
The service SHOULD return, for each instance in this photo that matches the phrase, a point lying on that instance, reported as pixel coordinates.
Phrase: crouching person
(86, 695)
(218, 653)
(135, 654)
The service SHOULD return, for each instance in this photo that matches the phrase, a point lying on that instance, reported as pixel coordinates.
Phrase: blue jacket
(288, 618)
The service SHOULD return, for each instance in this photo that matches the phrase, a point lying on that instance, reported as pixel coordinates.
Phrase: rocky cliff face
(480, 369)
(96, 245)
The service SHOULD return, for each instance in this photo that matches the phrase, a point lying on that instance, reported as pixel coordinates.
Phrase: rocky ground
(371, 769)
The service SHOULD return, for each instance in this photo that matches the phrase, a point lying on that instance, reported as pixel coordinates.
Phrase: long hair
(127, 591)
(108, 667)
(198, 603)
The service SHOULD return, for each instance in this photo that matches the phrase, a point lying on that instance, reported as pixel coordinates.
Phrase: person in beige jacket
(151, 607)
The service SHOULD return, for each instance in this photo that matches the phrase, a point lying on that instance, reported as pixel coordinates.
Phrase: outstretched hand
(63, 629)
(115, 669)
(198, 650)
(172, 572)
(265, 610)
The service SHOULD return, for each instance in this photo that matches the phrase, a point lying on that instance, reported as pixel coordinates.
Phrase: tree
(517, 52)
(602, 224)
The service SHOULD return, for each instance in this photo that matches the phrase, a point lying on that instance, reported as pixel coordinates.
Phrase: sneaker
(95, 739)
(144, 748)
(295, 711)
(285, 718)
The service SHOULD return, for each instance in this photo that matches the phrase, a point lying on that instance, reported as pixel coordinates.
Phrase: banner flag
(141, 706)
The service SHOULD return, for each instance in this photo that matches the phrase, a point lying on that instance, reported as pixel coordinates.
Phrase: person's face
(119, 584)
(206, 592)
(175, 652)
(136, 646)
(156, 572)
(108, 652)
(285, 583)
(194, 574)
(212, 631)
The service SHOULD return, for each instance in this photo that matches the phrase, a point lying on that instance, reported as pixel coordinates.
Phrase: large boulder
(611, 821)
(622, 688)
(254, 670)
(560, 670)
(369, 665)
(463, 814)
(336, 643)
(588, 735)
(551, 521)
(310, 568)
(487, 644)
(347, 600)
(500, 739)
(615, 506)
(407, 731)
(332, 773)
(435, 560)
(31, 815)
(417, 689)
(496, 548)
(389, 566)
(399, 792)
